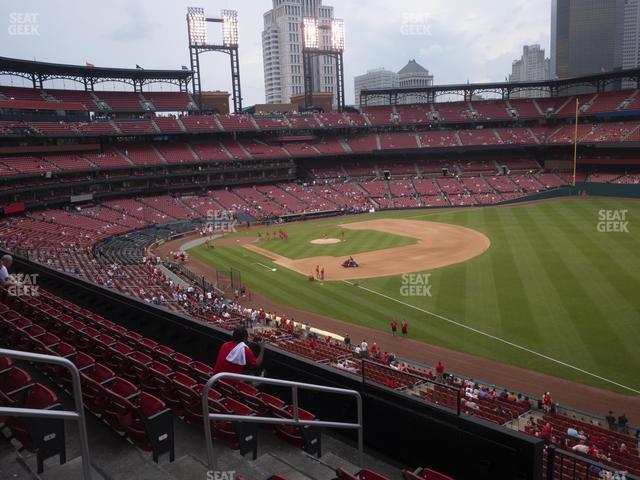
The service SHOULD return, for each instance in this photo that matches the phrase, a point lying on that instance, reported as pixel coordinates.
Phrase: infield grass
(550, 282)
(299, 245)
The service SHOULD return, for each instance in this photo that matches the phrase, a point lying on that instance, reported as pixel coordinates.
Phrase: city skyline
(478, 46)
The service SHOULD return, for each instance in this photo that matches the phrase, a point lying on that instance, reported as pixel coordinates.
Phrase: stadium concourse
(89, 180)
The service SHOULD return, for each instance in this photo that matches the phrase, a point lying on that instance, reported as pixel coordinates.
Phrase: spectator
(611, 420)
(440, 371)
(471, 405)
(622, 423)
(572, 432)
(545, 433)
(235, 356)
(581, 447)
(5, 265)
(547, 402)
(394, 326)
(347, 340)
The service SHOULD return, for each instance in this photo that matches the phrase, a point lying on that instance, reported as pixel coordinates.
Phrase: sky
(456, 40)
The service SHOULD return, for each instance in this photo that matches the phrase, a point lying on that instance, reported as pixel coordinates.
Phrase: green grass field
(355, 241)
(550, 283)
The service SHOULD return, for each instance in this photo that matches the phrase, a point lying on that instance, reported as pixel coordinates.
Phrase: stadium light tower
(199, 43)
(311, 30)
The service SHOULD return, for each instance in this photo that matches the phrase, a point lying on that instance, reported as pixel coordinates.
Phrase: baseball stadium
(416, 288)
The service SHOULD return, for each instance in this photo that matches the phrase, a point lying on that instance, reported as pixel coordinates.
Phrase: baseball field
(550, 286)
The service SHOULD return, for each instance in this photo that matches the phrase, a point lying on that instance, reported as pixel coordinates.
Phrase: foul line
(507, 342)
(263, 265)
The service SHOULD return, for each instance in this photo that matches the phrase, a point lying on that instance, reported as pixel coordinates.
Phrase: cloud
(463, 38)
(136, 26)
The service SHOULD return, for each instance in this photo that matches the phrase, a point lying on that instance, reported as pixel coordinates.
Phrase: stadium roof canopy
(39, 72)
(590, 83)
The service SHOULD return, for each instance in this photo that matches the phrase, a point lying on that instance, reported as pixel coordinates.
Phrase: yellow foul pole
(575, 143)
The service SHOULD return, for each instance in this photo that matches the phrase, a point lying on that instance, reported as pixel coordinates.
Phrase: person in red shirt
(547, 402)
(394, 326)
(235, 356)
(545, 433)
(440, 371)
(404, 326)
(392, 384)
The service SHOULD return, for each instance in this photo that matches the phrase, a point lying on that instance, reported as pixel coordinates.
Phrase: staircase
(193, 152)
(345, 145)
(114, 458)
(159, 153)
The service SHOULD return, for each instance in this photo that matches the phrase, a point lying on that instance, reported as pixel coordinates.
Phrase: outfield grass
(550, 283)
(351, 242)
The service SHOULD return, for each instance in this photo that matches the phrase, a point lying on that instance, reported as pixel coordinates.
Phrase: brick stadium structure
(90, 179)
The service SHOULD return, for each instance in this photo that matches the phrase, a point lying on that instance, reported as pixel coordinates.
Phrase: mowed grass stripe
(617, 279)
(481, 294)
(600, 343)
(547, 309)
(515, 309)
(449, 283)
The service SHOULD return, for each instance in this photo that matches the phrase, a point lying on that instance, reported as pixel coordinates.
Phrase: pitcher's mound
(324, 241)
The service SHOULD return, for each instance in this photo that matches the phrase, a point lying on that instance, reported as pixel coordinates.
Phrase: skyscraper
(532, 66)
(282, 50)
(631, 41)
(374, 79)
(586, 37)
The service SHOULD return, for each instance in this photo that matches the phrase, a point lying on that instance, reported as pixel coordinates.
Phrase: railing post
(360, 432)
(207, 421)
(295, 386)
(551, 457)
(294, 399)
(77, 397)
(82, 424)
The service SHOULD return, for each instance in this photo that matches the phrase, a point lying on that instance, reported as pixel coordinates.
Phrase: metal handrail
(207, 417)
(77, 414)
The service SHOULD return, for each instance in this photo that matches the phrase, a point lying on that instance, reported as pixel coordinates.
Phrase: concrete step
(342, 452)
(312, 466)
(187, 466)
(334, 462)
(10, 466)
(70, 470)
(275, 466)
